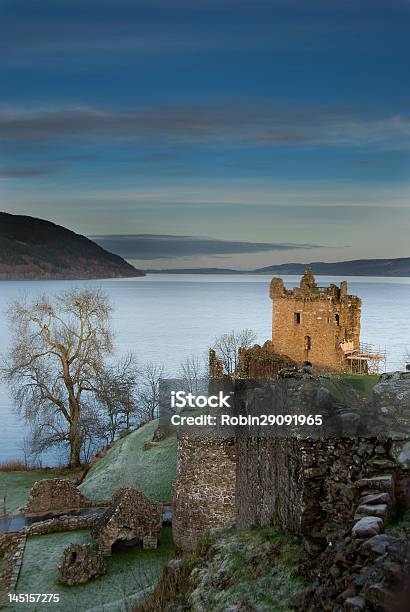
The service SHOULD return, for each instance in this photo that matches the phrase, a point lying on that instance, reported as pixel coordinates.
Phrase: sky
(222, 133)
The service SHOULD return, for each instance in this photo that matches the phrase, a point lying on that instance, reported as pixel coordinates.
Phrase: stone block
(367, 527)
(150, 542)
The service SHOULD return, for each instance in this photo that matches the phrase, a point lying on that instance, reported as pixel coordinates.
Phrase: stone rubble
(80, 564)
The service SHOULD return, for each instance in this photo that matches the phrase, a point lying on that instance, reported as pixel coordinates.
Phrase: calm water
(164, 318)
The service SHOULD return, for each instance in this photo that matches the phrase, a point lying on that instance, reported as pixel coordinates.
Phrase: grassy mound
(256, 569)
(16, 486)
(129, 577)
(151, 471)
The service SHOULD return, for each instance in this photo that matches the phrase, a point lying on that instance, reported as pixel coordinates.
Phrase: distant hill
(197, 271)
(356, 267)
(35, 249)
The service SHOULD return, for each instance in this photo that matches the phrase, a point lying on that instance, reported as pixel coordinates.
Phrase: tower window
(337, 319)
(297, 318)
(308, 343)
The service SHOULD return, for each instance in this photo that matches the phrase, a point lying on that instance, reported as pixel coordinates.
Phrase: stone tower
(316, 324)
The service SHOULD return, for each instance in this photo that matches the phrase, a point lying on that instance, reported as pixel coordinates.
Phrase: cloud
(103, 30)
(221, 125)
(26, 171)
(150, 246)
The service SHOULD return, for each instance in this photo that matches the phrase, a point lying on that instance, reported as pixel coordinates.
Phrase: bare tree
(227, 346)
(192, 372)
(117, 396)
(58, 347)
(148, 392)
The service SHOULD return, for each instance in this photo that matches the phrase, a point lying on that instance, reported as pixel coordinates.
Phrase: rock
(382, 463)
(404, 456)
(379, 450)
(393, 572)
(380, 483)
(377, 545)
(376, 498)
(378, 595)
(354, 603)
(367, 527)
(372, 510)
(80, 564)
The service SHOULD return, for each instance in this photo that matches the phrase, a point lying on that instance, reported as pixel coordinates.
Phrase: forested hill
(36, 249)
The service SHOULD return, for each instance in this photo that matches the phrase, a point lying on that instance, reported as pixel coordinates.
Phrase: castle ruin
(319, 325)
(304, 486)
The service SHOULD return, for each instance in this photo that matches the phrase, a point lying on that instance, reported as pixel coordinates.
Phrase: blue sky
(278, 122)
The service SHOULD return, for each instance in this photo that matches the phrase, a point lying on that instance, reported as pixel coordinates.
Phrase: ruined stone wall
(60, 524)
(55, 495)
(327, 316)
(313, 486)
(308, 487)
(204, 490)
(261, 362)
(12, 547)
(132, 515)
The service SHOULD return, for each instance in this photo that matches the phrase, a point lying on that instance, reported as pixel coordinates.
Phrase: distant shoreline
(399, 267)
(254, 273)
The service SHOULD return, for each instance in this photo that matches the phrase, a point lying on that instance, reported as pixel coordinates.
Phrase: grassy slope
(256, 569)
(128, 464)
(363, 383)
(341, 386)
(16, 487)
(128, 577)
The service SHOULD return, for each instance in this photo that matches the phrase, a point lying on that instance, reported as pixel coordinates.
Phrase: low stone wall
(60, 524)
(11, 554)
(204, 490)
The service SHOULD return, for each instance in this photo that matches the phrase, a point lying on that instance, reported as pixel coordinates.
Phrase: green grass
(363, 383)
(399, 523)
(333, 389)
(16, 487)
(151, 471)
(256, 569)
(129, 575)
(339, 385)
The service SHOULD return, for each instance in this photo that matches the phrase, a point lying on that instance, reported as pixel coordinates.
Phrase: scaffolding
(364, 359)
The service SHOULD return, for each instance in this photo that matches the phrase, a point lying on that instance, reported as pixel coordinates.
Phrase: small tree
(192, 372)
(117, 396)
(228, 345)
(148, 392)
(58, 348)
